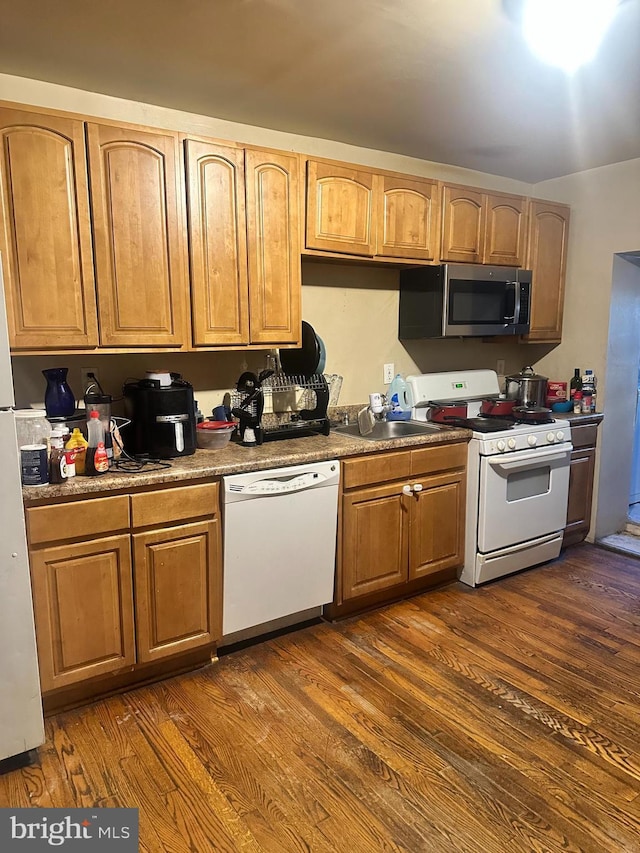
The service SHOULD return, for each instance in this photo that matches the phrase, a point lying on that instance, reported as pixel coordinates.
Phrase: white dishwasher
(279, 546)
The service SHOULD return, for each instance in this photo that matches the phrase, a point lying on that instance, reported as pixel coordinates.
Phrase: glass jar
(32, 427)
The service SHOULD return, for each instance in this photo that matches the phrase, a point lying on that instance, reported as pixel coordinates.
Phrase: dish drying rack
(297, 404)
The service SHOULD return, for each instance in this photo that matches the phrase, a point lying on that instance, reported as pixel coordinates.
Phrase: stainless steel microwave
(464, 300)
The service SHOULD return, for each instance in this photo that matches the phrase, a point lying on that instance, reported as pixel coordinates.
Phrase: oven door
(523, 496)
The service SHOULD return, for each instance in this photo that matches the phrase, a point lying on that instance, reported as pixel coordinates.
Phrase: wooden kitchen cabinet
(45, 232)
(243, 245)
(547, 258)
(581, 473)
(482, 228)
(408, 220)
(353, 210)
(83, 607)
(175, 598)
(273, 246)
(139, 228)
(340, 208)
(217, 243)
(400, 534)
(108, 607)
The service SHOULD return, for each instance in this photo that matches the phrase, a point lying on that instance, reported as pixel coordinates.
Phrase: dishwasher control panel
(281, 485)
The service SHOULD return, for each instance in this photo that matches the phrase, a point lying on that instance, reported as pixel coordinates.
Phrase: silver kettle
(527, 388)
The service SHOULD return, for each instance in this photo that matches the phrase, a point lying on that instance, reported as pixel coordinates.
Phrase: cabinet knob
(417, 487)
(406, 490)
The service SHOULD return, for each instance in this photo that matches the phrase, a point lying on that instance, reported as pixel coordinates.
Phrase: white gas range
(517, 477)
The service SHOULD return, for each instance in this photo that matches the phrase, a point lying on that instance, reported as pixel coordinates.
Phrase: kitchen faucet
(375, 411)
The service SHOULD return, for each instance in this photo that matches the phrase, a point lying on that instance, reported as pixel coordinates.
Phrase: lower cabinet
(110, 604)
(402, 524)
(83, 604)
(581, 472)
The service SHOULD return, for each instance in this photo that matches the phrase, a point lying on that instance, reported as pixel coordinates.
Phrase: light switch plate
(389, 373)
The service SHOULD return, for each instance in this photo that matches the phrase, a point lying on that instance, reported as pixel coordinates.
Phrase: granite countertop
(233, 459)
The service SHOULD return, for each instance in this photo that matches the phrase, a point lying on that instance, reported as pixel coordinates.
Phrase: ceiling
(444, 80)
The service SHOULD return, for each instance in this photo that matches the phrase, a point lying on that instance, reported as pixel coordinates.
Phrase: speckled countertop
(234, 458)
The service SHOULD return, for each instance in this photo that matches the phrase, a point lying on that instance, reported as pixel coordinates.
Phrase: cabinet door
(178, 589)
(217, 244)
(580, 495)
(547, 258)
(506, 230)
(273, 244)
(340, 209)
(463, 225)
(45, 234)
(437, 525)
(139, 235)
(408, 218)
(83, 605)
(374, 540)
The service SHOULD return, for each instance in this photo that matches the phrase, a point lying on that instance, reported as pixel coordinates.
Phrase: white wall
(605, 220)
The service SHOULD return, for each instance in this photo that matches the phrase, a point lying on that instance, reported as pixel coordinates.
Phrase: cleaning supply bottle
(78, 443)
(398, 397)
(96, 460)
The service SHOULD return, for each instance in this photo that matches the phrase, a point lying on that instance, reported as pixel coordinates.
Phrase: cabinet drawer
(77, 520)
(168, 505)
(427, 460)
(584, 435)
(376, 468)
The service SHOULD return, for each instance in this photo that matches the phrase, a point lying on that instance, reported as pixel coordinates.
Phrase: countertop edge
(234, 459)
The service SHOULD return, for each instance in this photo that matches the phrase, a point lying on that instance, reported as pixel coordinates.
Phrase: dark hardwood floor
(505, 718)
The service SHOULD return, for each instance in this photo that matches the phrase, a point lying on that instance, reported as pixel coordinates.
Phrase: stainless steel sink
(386, 430)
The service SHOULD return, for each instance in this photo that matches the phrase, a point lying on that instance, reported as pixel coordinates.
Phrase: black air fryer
(163, 423)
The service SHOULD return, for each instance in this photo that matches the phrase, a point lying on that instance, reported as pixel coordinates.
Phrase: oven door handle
(530, 458)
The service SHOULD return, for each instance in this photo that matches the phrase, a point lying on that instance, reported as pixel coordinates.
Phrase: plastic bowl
(563, 406)
(212, 435)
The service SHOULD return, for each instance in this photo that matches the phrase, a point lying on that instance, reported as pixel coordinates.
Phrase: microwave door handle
(516, 302)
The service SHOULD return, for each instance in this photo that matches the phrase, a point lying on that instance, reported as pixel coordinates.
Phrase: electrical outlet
(389, 373)
(85, 379)
(500, 367)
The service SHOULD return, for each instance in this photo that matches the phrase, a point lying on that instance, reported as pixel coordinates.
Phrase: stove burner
(482, 423)
(528, 418)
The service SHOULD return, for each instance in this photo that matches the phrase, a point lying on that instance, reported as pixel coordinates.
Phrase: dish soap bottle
(398, 397)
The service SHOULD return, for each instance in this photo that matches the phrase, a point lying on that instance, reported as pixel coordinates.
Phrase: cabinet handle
(417, 487)
(406, 490)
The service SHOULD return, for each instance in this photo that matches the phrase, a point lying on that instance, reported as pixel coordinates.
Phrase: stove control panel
(523, 438)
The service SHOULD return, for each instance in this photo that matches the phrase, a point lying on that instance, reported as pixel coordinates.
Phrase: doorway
(620, 430)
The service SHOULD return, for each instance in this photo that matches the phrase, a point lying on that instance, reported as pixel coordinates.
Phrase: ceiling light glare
(566, 33)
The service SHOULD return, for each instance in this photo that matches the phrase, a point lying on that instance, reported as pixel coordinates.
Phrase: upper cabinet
(217, 243)
(45, 234)
(139, 236)
(356, 211)
(408, 218)
(243, 244)
(273, 245)
(121, 237)
(547, 257)
(478, 227)
(340, 208)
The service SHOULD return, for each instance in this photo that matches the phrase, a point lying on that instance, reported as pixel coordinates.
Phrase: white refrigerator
(21, 723)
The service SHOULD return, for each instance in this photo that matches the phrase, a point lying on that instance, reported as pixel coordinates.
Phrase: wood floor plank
(504, 719)
(528, 820)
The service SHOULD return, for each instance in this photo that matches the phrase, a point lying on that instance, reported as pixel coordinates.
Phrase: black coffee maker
(162, 415)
